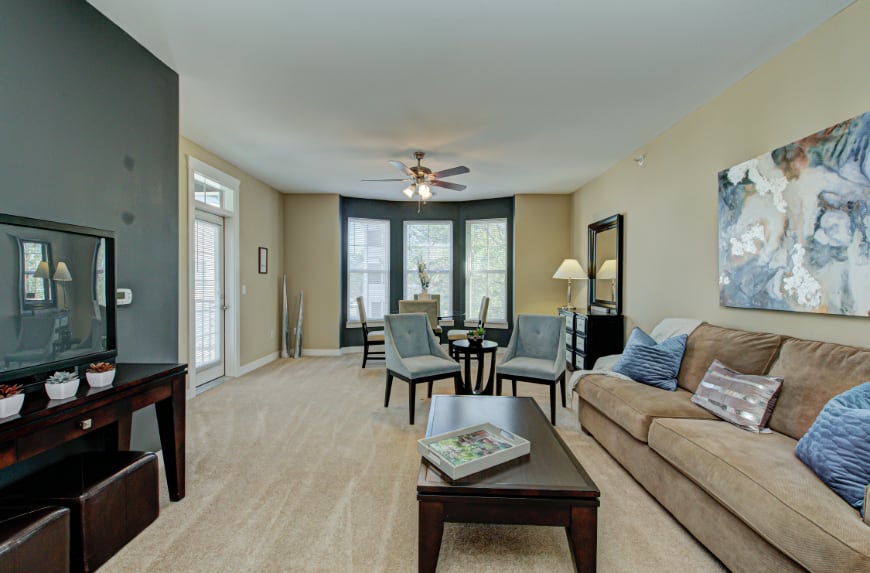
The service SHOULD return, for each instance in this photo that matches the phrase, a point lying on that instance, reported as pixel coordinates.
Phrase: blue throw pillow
(837, 445)
(655, 364)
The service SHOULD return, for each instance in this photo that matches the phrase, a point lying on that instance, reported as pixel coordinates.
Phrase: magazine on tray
(469, 450)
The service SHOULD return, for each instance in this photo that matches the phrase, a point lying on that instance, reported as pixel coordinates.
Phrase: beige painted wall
(542, 239)
(670, 204)
(260, 225)
(312, 253)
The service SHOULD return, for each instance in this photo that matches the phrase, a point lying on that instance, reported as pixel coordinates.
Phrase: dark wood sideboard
(44, 424)
(589, 336)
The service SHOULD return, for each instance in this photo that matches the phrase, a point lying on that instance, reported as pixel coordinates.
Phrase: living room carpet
(299, 467)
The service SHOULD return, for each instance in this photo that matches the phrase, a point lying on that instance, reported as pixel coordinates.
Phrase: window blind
(486, 255)
(368, 267)
(432, 243)
(206, 292)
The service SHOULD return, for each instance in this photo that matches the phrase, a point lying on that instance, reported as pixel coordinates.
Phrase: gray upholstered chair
(370, 337)
(535, 353)
(461, 333)
(35, 338)
(414, 355)
(428, 307)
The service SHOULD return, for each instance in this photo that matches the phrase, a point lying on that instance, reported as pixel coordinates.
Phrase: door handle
(225, 307)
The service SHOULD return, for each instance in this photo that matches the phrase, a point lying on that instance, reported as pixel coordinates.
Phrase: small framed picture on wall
(263, 253)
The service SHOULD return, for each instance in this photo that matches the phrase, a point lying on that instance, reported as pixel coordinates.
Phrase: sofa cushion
(837, 445)
(813, 373)
(745, 400)
(648, 362)
(634, 406)
(758, 478)
(747, 352)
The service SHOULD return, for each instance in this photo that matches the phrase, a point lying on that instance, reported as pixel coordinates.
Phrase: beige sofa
(745, 496)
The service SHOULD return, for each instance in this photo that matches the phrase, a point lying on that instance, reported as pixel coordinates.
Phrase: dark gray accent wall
(399, 211)
(89, 136)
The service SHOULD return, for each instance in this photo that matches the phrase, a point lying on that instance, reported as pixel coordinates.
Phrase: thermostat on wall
(123, 296)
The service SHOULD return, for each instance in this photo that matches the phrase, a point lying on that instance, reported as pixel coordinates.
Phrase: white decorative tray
(472, 449)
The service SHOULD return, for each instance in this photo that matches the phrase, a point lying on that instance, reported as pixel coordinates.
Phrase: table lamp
(570, 269)
(607, 272)
(63, 276)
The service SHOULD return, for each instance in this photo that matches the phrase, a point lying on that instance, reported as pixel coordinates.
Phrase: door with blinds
(208, 296)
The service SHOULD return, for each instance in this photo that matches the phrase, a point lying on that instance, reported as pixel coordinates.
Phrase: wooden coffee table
(547, 487)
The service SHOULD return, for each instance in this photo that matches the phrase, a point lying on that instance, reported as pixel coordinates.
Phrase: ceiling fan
(421, 178)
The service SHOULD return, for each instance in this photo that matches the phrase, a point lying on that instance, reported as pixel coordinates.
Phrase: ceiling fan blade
(451, 172)
(446, 185)
(402, 167)
(386, 179)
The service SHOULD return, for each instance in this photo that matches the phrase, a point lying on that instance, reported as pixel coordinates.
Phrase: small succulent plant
(8, 390)
(61, 378)
(477, 333)
(100, 367)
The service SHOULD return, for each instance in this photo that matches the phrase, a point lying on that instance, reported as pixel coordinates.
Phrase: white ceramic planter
(11, 405)
(61, 391)
(99, 379)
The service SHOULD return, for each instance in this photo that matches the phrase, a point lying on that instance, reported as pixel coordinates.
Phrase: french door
(208, 296)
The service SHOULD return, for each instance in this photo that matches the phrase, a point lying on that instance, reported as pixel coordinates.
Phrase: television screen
(56, 296)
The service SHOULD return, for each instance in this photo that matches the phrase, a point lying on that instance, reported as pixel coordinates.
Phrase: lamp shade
(570, 269)
(42, 271)
(607, 270)
(61, 274)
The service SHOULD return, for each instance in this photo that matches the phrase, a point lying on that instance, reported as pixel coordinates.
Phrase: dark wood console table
(44, 424)
(590, 336)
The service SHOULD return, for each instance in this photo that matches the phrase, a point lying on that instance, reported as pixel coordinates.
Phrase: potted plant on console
(100, 374)
(61, 385)
(11, 399)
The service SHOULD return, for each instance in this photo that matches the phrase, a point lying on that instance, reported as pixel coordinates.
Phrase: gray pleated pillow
(746, 400)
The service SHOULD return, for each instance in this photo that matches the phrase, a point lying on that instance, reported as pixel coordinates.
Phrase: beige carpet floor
(298, 467)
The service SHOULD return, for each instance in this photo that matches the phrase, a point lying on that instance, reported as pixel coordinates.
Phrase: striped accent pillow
(655, 364)
(745, 400)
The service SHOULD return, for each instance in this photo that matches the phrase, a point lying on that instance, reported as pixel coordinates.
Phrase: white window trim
(375, 322)
(496, 324)
(500, 323)
(405, 257)
(358, 324)
(231, 286)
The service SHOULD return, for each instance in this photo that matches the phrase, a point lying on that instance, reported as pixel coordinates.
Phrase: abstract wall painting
(794, 225)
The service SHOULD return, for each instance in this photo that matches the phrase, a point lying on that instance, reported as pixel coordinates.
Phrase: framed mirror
(605, 265)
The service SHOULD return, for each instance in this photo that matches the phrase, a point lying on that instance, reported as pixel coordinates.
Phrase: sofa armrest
(867, 505)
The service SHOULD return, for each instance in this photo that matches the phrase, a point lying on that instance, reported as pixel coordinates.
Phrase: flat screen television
(57, 298)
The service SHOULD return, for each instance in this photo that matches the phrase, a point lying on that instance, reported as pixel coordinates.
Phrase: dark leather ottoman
(34, 539)
(112, 497)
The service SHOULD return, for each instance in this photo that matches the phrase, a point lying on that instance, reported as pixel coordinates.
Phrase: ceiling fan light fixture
(423, 189)
(408, 191)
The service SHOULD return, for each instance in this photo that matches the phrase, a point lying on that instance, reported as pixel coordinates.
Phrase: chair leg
(562, 381)
(498, 385)
(389, 387)
(411, 391)
(457, 384)
(553, 403)
(365, 353)
(514, 386)
(429, 393)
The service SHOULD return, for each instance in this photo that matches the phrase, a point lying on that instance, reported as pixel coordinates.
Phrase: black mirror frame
(612, 222)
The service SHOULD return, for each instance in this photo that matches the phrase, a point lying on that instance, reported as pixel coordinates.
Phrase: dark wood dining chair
(370, 337)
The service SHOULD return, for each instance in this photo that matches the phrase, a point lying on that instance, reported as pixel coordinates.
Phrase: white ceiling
(534, 96)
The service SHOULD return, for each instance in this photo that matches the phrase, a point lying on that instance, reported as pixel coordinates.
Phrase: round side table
(464, 349)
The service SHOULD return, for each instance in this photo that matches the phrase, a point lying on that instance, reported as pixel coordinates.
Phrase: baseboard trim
(321, 352)
(259, 363)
